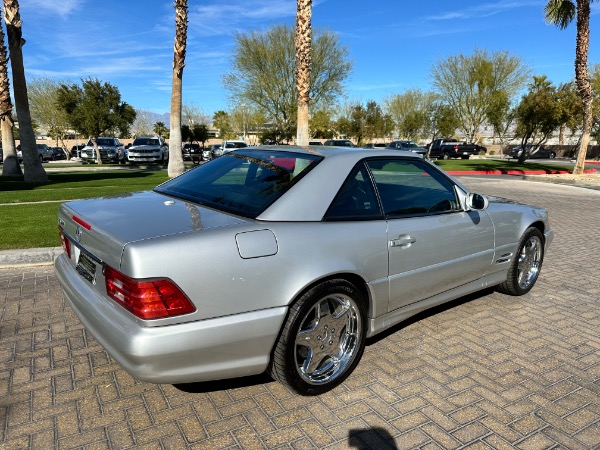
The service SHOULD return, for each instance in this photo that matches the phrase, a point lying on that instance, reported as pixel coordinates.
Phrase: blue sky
(392, 43)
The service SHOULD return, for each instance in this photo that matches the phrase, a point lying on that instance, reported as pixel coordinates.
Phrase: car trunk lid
(102, 227)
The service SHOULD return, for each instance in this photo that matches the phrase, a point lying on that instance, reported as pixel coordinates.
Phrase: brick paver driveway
(487, 371)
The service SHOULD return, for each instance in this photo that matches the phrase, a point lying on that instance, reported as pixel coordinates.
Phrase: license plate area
(86, 268)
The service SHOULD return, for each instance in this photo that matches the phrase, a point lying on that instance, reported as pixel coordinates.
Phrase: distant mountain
(164, 118)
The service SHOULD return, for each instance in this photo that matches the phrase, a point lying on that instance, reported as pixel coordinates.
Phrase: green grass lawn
(34, 223)
(496, 164)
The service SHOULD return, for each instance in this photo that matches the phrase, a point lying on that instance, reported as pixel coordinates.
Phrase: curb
(513, 172)
(29, 257)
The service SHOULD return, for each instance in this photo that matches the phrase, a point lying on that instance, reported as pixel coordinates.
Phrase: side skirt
(385, 321)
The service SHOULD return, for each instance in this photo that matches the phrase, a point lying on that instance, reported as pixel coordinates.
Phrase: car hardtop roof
(332, 151)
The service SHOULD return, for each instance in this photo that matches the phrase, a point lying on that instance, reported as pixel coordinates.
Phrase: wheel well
(539, 226)
(353, 278)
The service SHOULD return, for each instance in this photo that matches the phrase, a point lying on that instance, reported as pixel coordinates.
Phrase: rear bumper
(224, 347)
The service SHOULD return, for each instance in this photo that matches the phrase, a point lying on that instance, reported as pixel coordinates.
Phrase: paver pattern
(486, 371)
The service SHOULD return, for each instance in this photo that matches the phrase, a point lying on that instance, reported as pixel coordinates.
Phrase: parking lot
(486, 371)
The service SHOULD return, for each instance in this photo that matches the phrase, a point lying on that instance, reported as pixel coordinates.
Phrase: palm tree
(11, 167)
(34, 172)
(176, 166)
(303, 59)
(160, 129)
(561, 13)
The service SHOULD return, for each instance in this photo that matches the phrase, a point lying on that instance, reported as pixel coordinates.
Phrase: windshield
(410, 145)
(145, 141)
(101, 142)
(242, 182)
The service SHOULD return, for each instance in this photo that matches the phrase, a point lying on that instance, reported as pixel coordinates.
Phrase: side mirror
(477, 202)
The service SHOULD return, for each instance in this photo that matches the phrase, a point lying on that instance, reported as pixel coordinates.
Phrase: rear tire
(526, 265)
(322, 339)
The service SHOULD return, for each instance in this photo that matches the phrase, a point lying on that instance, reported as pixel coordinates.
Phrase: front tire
(525, 267)
(322, 340)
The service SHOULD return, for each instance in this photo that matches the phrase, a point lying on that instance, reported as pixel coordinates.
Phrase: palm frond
(560, 12)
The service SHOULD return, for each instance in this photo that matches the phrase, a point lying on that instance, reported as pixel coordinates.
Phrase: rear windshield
(243, 182)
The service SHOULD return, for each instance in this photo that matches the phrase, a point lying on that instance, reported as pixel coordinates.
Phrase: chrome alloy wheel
(328, 339)
(529, 262)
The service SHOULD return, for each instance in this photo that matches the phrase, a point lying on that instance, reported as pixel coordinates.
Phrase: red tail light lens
(147, 299)
(66, 244)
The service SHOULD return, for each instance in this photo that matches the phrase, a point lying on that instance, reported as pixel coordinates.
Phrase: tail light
(147, 299)
(66, 243)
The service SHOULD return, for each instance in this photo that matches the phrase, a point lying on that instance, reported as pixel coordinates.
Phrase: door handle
(403, 241)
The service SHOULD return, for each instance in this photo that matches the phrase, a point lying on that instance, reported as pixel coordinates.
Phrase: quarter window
(356, 199)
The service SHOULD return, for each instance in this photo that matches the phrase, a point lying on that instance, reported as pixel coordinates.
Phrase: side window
(412, 188)
(356, 199)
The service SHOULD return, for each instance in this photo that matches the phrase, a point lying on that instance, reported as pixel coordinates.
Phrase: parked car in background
(376, 145)
(111, 151)
(338, 143)
(479, 149)
(228, 146)
(45, 153)
(58, 153)
(314, 142)
(532, 152)
(450, 148)
(212, 152)
(304, 253)
(411, 146)
(76, 150)
(190, 151)
(216, 150)
(148, 149)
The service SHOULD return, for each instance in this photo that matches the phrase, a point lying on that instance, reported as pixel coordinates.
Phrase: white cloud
(487, 9)
(222, 18)
(62, 8)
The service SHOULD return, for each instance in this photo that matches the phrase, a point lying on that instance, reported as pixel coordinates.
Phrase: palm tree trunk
(582, 79)
(34, 171)
(10, 166)
(303, 60)
(176, 166)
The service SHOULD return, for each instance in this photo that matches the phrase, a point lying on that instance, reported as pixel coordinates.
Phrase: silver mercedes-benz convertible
(284, 260)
